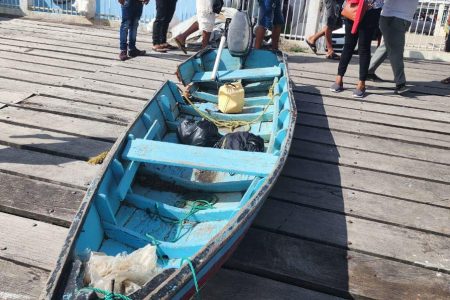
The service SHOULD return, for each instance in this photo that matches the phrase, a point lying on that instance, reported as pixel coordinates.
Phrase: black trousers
(363, 38)
(164, 13)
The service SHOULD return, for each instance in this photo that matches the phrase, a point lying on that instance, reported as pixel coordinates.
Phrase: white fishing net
(129, 271)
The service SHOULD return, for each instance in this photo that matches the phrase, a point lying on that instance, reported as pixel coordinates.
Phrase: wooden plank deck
(362, 209)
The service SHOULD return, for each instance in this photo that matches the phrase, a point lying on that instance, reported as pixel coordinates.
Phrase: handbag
(350, 9)
(217, 6)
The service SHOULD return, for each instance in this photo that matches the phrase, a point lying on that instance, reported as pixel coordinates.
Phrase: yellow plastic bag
(231, 98)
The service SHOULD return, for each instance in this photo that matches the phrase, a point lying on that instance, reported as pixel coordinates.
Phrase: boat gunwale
(157, 288)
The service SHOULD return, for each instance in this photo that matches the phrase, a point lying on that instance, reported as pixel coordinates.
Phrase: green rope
(196, 206)
(194, 276)
(108, 295)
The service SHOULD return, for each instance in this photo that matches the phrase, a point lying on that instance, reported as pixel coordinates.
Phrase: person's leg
(171, 5)
(137, 7)
(158, 24)
(347, 52)
(278, 22)
(330, 6)
(264, 21)
(206, 19)
(124, 26)
(395, 43)
(366, 32)
(313, 38)
(183, 36)
(377, 59)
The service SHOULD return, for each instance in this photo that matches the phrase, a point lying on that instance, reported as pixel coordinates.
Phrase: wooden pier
(362, 209)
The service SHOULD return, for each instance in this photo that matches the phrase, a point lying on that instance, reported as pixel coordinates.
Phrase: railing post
(25, 6)
(312, 20)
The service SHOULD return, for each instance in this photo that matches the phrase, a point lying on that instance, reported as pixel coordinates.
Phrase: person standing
(164, 14)
(395, 20)
(334, 21)
(362, 37)
(270, 17)
(206, 19)
(131, 13)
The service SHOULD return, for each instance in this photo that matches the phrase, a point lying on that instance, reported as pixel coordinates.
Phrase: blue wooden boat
(149, 178)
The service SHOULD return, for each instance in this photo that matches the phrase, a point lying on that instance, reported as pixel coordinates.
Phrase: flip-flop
(170, 47)
(446, 80)
(333, 56)
(312, 46)
(180, 45)
(160, 50)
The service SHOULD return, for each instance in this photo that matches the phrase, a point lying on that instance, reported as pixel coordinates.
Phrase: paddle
(214, 75)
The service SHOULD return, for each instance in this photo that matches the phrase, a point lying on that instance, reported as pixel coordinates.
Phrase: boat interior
(177, 197)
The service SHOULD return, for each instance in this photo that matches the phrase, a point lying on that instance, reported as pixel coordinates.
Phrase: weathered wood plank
(37, 68)
(92, 97)
(30, 242)
(20, 282)
(61, 123)
(382, 240)
(82, 109)
(335, 270)
(11, 97)
(131, 78)
(414, 79)
(372, 117)
(231, 284)
(365, 205)
(377, 88)
(372, 161)
(47, 167)
(28, 76)
(317, 87)
(113, 88)
(38, 200)
(373, 144)
(20, 57)
(375, 130)
(50, 142)
(387, 109)
(364, 180)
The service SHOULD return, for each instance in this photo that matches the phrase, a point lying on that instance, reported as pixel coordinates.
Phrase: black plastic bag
(244, 141)
(202, 133)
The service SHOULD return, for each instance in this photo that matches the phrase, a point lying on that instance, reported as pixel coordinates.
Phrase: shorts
(270, 13)
(206, 18)
(332, 14)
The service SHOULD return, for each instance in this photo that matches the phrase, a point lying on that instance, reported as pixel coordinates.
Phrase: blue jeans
(270, 13)
(131, 13)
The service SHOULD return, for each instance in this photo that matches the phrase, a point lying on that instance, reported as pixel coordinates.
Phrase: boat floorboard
(361, 209)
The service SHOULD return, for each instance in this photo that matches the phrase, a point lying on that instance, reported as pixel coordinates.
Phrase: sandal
(333, 56)
(180, 45)
(169, 46)
(446, 80)
(312, 46)
(159, 49)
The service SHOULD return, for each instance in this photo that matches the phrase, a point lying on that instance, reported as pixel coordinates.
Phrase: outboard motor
(240, 36)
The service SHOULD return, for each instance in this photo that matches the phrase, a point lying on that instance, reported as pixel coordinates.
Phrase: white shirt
(403, 9)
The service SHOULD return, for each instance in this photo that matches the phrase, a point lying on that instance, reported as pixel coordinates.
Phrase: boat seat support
(242, 74)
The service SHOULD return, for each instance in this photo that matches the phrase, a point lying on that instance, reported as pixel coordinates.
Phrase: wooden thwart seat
(229, 75)
(212, 159)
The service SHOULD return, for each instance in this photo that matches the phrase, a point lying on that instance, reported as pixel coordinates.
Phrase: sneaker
(357, 93)
(136, 52)
(373, 77)
(401, 88)
(337, 88)
(123, 55)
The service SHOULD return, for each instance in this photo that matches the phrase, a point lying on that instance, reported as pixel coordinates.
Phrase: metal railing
(427, 30)
(10, 3)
